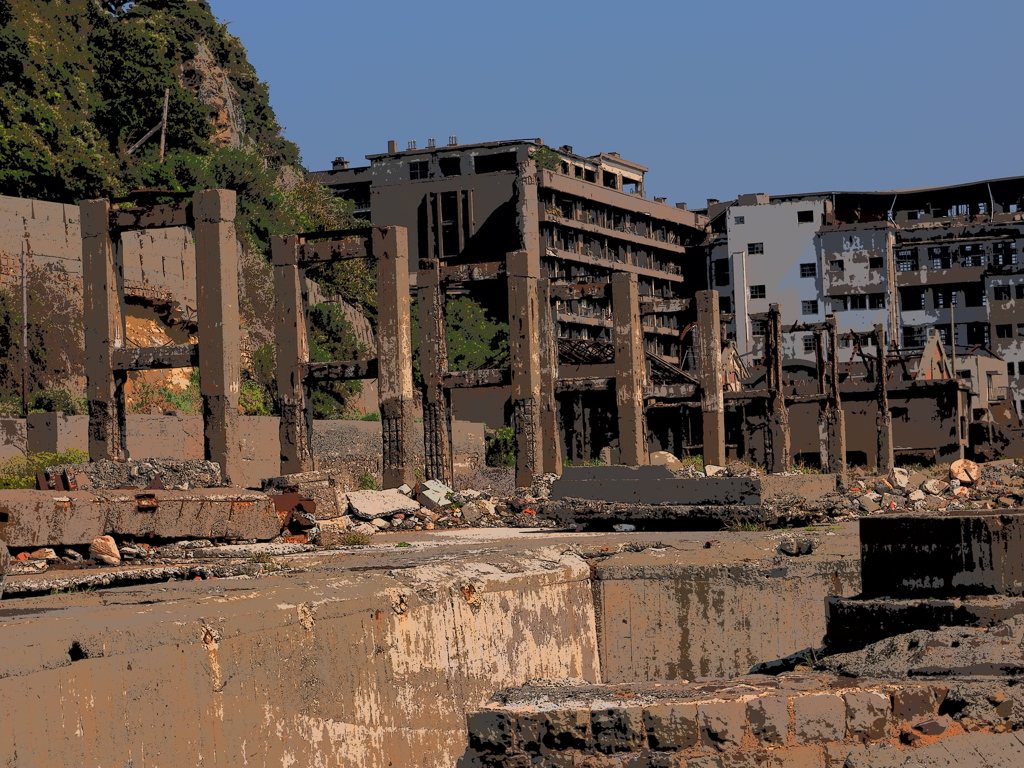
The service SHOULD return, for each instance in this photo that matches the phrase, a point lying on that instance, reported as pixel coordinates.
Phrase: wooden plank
(348, 370)
(152, 358)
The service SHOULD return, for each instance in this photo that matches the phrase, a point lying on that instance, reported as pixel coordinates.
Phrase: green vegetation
(805, 469)
(354, 539)
(501, 448)
(165, 398)
(547, 159)
(697, 462)
(745, 526)
(54, 400)
(332, 338)
(367, 482)
(403, 544)
(21, 471)
(371, 416)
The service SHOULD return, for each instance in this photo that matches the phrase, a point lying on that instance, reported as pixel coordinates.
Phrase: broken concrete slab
(325, 487)
(368, 505)
(47, 518)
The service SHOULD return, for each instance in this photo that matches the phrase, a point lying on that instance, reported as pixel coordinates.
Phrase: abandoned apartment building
(914, 262)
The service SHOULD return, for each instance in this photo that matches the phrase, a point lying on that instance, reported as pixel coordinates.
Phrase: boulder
(104, 550)
(368, 505)
(898, 478)
(794, 546)
(966, 471)
(711, 470)
(475, 510)
(665, 459)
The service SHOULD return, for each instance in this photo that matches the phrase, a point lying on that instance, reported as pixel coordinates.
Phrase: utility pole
(163, 123)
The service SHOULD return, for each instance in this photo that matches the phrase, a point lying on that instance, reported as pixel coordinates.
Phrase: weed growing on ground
(745, 526)
(355, 539)
(367, 482)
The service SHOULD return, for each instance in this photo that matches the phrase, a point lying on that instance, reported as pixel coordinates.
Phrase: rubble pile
(141, 473)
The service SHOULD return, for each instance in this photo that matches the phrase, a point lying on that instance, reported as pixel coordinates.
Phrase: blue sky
(718, 99)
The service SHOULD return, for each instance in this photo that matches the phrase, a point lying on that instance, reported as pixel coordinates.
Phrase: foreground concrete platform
(373, 656)
(48, 518)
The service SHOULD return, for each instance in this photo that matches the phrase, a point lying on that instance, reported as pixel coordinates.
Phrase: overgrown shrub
(21, 471)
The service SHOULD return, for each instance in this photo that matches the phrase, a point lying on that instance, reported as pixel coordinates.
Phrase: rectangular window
(913, 215)
(974, 295)
(805, 217)
(757, 292)
(964, 374)
(450, 166)
(1004, 253)
(419, 170)
(808, 270)
(721, 270)
(859, 302)
(1001, 293)
(1009, 370)
(944, 297)
(753, 248)
(808, 343)
(838, 303)
(809, 307)
(911, 299)
(876, 300)
(725, 303)
(940, 257)
(1019, 291)
(1020, 329)
(906, 260)
(837, 265)
(844, 341)
(913, 336)
(1004, 331)
(876, 262)
(739, 219)
(499, 161)
(757, 326)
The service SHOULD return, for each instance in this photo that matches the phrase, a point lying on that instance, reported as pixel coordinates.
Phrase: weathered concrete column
(551, 438)
(778, 458)
(524, 347)
(835, 419)
(630, 369)
(394, 355)
(292, 344)
(709, 357)
(437, 444)
(883, 419)
(821, 376)
(217, 307)
(104, 333)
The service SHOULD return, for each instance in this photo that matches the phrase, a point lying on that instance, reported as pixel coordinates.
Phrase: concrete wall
(356, 670)
(671, 617)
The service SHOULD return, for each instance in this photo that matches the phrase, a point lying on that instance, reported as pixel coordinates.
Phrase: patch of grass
(403, 544)
(355, 539)
(371, 416)
(697, 462)
(367, 482)
(745, 526)
(264, 558)
(21, 471)
(805, 469)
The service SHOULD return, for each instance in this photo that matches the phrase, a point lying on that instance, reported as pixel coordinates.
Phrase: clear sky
(717, 98)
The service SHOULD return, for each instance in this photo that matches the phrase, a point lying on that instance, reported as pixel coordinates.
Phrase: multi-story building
(943, 258)
(581, 217)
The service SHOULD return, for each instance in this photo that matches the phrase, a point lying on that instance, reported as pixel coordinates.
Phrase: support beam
(524, 347)
(709, 357)
(217, 307)
(155, 358)
(551, 438)
(778, 458)
(104, 334)
(342, 370)
(883, 419)
(630, 369)
(394, 355)
(292, 340)
(437, 445)
(835, 419)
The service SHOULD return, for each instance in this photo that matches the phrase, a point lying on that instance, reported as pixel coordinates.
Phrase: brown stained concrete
(366, 656)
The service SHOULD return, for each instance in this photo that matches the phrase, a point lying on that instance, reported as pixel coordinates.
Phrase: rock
(540, 488)
(711, 470)
(961, 492)
(368, 505)
(428, 527)
(5, 564)
(882, 486)
(366, 529)
(474, 510)
(623, 527)
(46, 554)
(917, 495)
(1007, 501)
(104, 550)
(380, 524)
(898, 478)
(966, 471)
(867, 504)
(934, 726)
(73, 555)
(405, 490)
(915, 480)
(794, 546)
(433, 498)
(665, 459)
(934, 487)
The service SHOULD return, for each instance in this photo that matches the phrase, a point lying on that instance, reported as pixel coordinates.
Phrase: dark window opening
(913, 336)
(757, 327)
(876, 300)
(808, 343)
(500, 161)
(805, 217)
(739, 220)
(858, 301)
(1001, 293)
(753, 248)
(631, 186)
(610, 180)
(911, 299)
(809, 307)
(808, 270)
(450, 166)
(944, 297)
(725, 303)
(876, 262)
(757, 292)
(1004, 331)
(978, 333)
(837, 265)
(76, 652)
(974, 295)
(565, 169)
(419, 170)
(1019, 291)
(578, 171)
(589, 175)
(721, 269)
(1009, 370)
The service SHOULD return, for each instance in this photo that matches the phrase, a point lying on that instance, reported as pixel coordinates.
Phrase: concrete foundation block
(490, 731)
(819, 718)
(618, 729)
(768, 717)
(565, 728)
(867, 714)
(722, 724)
(914, 703)
(672, 726)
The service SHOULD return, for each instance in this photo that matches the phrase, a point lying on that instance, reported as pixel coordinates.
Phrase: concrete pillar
(292, 341)
(551, 438)
(630, 369)
(217, 308)
(835, 419)
(883, 419)
(394, 355)
(709, 356)
(437, 446)
(104, 332)
(524, 347)
(822, 374)
(778, 458)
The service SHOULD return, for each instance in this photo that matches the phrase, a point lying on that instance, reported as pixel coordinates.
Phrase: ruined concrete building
(942, 259)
